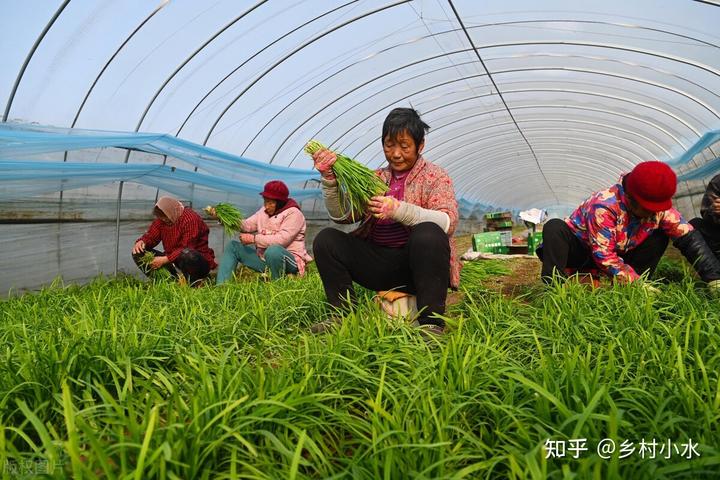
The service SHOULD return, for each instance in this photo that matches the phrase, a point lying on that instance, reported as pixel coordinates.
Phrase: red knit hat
(276, 190)
(652, 185)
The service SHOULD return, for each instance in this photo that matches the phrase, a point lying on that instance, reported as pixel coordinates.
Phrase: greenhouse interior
(531, 109)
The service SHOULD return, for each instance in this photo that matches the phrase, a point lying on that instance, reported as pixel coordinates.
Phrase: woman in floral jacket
(405, 240)
(624, 230)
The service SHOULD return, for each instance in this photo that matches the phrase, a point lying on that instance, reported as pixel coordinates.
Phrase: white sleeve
(410, 215)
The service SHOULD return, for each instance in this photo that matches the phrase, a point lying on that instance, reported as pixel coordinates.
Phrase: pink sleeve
(289, 229)
(601, 235)
(249, 225)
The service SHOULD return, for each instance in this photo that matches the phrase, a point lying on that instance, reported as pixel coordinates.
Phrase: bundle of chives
(357, 183)
(475, 272)
(229, 217)
(159, 273)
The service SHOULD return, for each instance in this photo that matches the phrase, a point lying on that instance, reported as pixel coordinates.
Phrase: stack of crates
(502, 223)
(489, 242)
(498, 221)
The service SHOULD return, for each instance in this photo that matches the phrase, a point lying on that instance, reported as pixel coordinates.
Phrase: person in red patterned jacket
(404, 242)
(184, 236)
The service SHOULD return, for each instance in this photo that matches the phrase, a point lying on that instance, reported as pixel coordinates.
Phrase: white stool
(397, 304)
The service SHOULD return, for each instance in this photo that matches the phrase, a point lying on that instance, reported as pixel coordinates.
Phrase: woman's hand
(715, 204)
(324, 160)
(210, 212)
(158, 262)
(247, 238)
(139, 247)
(383, 207)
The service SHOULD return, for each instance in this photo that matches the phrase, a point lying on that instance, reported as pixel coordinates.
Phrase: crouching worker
(273, 238)
(404, 241)
(184, 236)
(624, 230)
(708, 224)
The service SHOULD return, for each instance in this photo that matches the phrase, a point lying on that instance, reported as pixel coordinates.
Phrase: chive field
(129, 379)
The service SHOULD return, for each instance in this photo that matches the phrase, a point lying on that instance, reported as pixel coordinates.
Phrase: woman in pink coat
(273, 238)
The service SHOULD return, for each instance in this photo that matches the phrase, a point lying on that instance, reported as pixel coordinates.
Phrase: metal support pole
(117, 228)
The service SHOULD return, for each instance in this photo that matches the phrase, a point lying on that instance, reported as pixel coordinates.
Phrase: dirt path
(525, 272)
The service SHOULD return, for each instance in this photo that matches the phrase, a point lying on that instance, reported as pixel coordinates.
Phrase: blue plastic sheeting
(707, 140)
(23, 140)
(29, 178)
(706, 170)
(25, 172)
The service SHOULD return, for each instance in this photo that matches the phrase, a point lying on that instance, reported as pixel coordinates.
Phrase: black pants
(190, 263)
(710, 232)
(421, 267)
(562, 249)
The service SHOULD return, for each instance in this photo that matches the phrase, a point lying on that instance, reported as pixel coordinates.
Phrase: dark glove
(693, 247)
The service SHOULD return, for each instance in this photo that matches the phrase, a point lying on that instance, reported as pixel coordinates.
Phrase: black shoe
(326, 325)
(429, 328)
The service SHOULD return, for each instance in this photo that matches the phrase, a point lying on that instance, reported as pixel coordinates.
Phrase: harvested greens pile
(476, 271)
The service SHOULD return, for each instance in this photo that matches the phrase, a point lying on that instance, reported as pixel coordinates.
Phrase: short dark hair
(401, 119)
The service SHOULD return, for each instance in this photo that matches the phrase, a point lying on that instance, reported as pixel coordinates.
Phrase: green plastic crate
(498, 215)
(534, 241)
(500, 223)
(489, 242)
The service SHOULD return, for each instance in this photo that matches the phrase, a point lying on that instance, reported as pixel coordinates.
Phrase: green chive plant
(357, 183)
(125, 379)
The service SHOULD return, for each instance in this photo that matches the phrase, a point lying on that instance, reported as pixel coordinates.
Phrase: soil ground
(524, 272)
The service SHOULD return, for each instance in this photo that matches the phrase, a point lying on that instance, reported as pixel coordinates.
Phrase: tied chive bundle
(357, 183)
(159, 273)
(229, 217)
